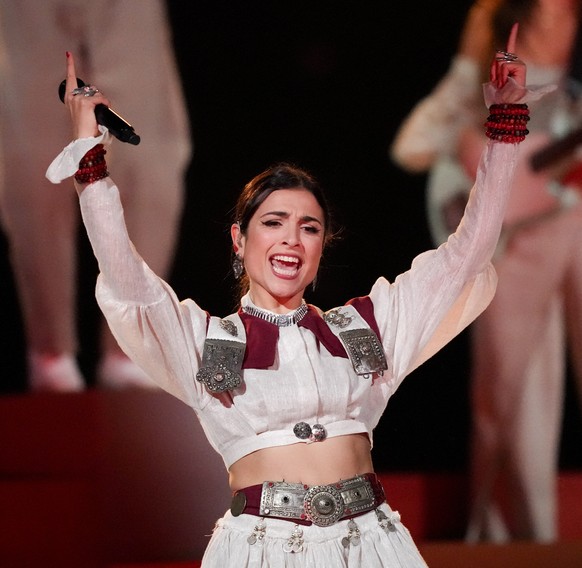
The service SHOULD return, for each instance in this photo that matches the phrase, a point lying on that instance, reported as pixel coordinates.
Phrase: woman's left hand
(506, 64)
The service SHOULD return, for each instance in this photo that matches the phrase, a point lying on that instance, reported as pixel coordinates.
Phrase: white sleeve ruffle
(513, 93)
(67, 162)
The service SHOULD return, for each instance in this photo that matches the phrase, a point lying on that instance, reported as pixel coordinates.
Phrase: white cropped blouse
(416, 315)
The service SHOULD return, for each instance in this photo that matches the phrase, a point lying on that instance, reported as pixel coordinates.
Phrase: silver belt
(322, 505)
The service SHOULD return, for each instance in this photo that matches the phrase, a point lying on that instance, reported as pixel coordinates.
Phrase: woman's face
(282, 248)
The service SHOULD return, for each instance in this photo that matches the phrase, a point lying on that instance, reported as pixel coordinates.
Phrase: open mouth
(284, 265)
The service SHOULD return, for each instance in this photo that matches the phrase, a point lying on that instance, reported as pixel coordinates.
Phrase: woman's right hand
(81, 107)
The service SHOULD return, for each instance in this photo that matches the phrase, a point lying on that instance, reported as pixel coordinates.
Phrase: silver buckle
(280, 499)
(357, 495)
(323, 505)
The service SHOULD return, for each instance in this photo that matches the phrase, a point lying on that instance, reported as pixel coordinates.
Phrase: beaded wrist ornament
(507, 122)
(92, 166)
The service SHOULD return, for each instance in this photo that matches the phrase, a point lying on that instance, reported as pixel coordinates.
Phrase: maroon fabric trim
(253, 499)
(316, 324)
(365, 308)
(262, 338)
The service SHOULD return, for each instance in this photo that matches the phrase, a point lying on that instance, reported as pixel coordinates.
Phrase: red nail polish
(68, 54)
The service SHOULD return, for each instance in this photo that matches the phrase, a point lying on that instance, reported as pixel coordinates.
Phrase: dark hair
(279, 176)
(506, 15)
(521, 11)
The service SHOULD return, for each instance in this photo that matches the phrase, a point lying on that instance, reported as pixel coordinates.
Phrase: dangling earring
(237, 266)
(314, 283)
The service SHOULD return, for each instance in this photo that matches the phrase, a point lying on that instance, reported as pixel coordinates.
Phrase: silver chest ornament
(359, 340)
(222, 358)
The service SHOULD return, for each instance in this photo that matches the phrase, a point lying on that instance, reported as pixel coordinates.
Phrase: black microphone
(119, 127)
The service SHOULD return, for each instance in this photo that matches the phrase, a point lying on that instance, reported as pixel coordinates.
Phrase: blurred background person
(519, 343)
(124, 46)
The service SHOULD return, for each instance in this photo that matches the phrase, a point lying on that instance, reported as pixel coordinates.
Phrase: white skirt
(364, 542)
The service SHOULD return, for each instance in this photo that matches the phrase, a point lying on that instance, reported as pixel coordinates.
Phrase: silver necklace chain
(280, 320)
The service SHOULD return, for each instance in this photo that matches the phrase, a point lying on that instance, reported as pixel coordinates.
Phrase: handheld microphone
(119, 127)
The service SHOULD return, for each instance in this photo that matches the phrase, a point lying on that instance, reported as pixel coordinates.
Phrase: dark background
(324, 84)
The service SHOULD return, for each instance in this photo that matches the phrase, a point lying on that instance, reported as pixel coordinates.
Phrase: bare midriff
(318, 463)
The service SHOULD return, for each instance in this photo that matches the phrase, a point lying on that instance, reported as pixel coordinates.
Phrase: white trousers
(124, 47)
(518, 382)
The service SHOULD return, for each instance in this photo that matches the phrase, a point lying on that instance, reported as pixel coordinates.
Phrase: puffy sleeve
(447, 288)
(161, 334)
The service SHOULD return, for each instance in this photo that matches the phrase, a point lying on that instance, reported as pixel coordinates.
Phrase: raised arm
(84, 160)
(448, 288)
(161, 334)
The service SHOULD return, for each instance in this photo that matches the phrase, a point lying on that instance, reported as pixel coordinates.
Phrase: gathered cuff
(67, 162)
(512, 93)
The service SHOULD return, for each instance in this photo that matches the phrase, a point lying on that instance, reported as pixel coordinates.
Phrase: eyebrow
(285, 215)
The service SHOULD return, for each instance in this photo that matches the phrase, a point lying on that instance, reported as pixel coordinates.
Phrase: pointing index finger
(71, 75)
(512, 40)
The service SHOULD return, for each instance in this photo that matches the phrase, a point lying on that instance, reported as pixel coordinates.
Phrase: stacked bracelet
(92, 166)
(507, 122)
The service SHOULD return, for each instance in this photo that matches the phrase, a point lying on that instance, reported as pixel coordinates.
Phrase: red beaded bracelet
(507, 122)
(92, 166)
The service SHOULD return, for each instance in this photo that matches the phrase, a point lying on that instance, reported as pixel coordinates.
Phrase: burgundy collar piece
(262, 337)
